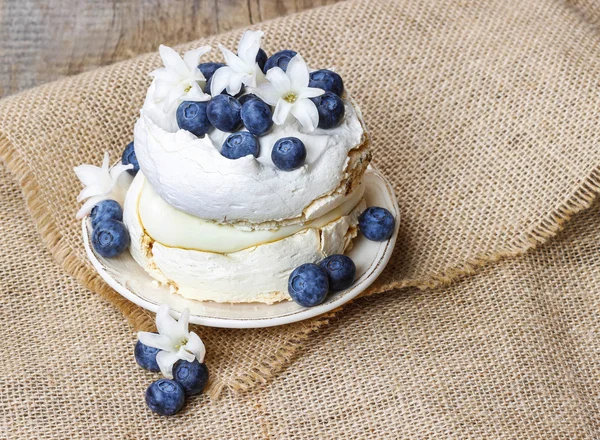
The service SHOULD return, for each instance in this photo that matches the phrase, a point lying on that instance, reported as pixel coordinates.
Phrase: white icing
(190, 174)
(256, 274)
(175, 228)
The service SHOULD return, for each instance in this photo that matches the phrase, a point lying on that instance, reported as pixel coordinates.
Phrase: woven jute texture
(483, 115)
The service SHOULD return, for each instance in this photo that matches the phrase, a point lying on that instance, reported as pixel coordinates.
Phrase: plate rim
(299, 315)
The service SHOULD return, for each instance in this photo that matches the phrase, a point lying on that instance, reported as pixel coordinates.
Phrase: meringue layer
(190, 174)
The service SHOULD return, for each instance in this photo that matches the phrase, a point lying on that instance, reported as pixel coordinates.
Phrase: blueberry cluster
(166, 397)
(247, 111)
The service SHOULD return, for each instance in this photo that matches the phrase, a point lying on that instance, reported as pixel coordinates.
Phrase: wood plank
(44, 40)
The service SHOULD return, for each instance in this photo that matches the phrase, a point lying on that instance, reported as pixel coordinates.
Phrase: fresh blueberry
(247, 97)
(106, 210)
(288, 153)
(223, 92)
(191, 116)
(165, 397)
(376, 223)
(280, 59)
(327, 80)
(308, 285)
(223, 112)
(192, 376)
(209, 69)
(331, 110)
(261, 59)
(128, 157)
(257, 116)
(341, 271)
(240, 144)
(110, 238)
(145, 356)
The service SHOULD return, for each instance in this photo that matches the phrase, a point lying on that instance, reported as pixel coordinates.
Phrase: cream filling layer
(174, 228)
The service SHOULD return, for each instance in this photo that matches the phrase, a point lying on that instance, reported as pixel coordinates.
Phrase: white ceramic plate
(124, 275)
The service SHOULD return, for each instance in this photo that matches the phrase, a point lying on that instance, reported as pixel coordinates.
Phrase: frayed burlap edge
(141, 319)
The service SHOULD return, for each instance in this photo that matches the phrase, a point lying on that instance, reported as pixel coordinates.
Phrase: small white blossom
(99, 182)
(241, 68)
(289, 92)
(174, 340)
(180, 79)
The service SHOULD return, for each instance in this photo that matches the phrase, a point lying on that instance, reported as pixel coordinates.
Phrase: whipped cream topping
(190, 174)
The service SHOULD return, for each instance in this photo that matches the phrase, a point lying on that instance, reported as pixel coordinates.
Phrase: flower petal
(117, 170)
(184, 321)
(105, 162)
(305, 111)
(88, 206)
(166, 360)
(233, 60)
(268, 93)
(298, 73)
(220, 80)
(173, 61)
(89, 174)
(185, 355)
(196, 346)
(311, 92)
(279, 79)
(192, 57)
(235, 83)
(282, 110)
(91, 191)
(197, 94)
(162, 342)
(249, 45)
(163, 74)
(166, 324)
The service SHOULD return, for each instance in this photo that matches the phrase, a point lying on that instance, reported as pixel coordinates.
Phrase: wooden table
(41, 41)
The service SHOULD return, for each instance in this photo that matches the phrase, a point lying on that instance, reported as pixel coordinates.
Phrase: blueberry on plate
(145, 356)
(209, 69)
(110, 238)
(223, 112)
(261, 59)
(191, 116)
(240, 144)
(106, 210)
(341, 271)
(331, 109)
(308, 285)
(192, 376)
(256, 116)
(327, 80)
(128, 158)
(165, 397)
(377, 224)
(247, 97)
(280, 59)
(288, 153)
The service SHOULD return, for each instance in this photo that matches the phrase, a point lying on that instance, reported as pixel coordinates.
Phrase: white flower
(99, 183)
(289, 92)
(241, 68)
(174, 340)
(180, 79)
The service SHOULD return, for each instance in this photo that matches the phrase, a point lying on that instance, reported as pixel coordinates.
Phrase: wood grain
(42, 41)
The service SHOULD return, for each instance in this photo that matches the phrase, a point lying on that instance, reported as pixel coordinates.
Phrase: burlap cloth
(484, 116)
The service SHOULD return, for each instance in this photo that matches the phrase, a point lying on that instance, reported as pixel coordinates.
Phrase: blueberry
(331, 109)
(223, 112)
(192, 376)
(308, 285)
(239, 145)
(288, 153)
(257, 116)
(128, 157)
(280, 59)
(223, 92)
(341, 271)
(327, 80)
(110, 238)
(376, 223)
(106, 210)
(145, 356)
(247, 97)
(209, 69)
(261, 59)
(165, 397)
(191, 116)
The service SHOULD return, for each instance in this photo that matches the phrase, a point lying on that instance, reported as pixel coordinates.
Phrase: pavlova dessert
(248, 179)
